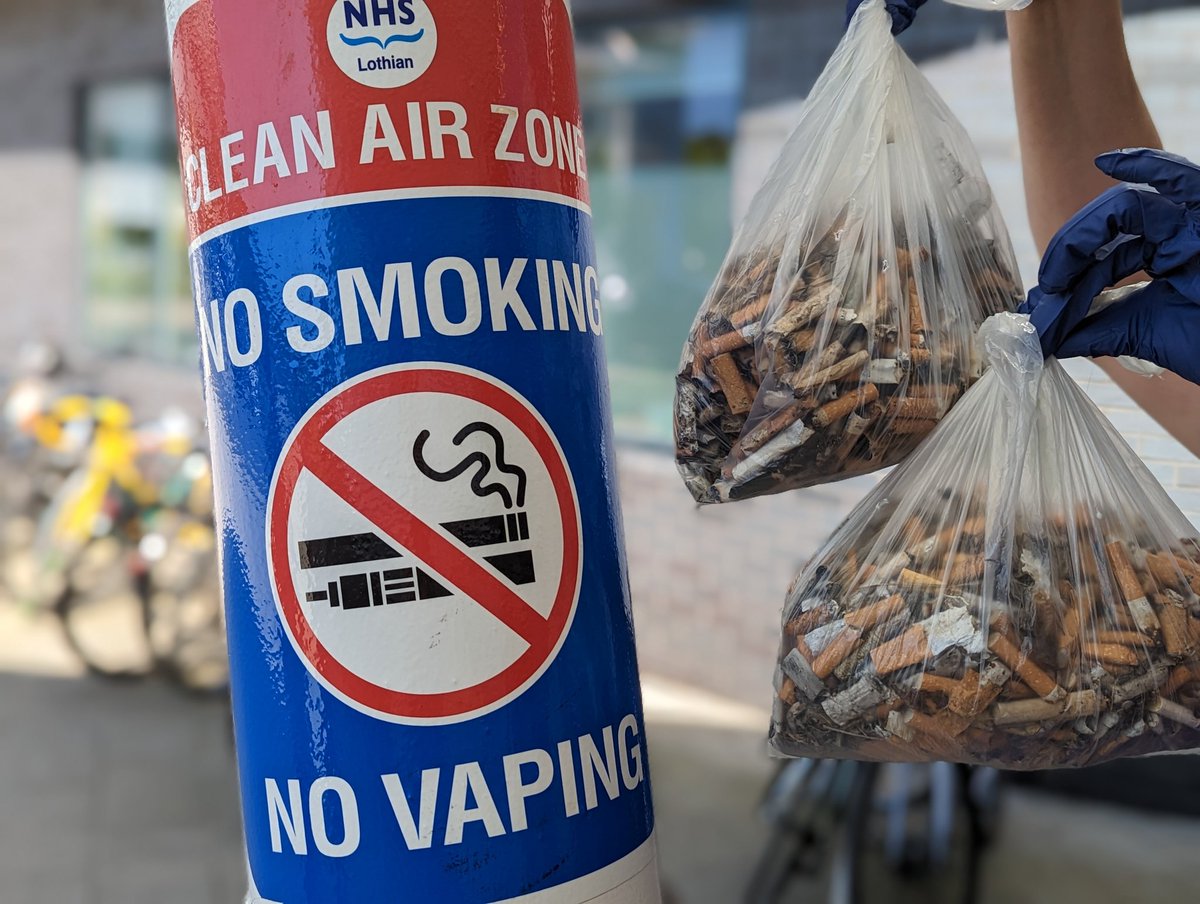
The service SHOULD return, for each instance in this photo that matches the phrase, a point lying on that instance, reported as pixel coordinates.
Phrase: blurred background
(115, 756)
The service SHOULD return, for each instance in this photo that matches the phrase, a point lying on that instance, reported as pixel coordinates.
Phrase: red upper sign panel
(325, 98)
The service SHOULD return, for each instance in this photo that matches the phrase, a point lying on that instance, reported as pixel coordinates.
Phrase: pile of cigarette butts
(890, 660)
(840, 371)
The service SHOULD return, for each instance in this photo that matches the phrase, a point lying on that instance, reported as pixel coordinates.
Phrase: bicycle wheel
(811, 855)
(181, 605)
(920, 841)
(98, 605)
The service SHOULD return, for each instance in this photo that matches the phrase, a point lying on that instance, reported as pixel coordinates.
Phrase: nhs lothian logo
(382, 43)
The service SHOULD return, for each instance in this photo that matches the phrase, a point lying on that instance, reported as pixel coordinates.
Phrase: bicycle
(125, 555)
(869, 832)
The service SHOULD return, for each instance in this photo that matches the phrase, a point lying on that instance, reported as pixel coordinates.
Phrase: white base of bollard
(631, 880)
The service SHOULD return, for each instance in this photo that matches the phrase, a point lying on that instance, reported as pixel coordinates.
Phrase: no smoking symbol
(424, 543)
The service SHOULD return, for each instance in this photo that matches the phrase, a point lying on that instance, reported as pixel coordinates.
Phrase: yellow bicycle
(125, 554)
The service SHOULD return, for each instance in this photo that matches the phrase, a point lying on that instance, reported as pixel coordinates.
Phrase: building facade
(685, 104)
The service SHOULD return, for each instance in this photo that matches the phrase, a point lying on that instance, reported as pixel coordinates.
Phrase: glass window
(136, 290)
(660, 103)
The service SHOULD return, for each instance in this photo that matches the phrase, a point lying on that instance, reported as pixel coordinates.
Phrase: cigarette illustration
(360, 571)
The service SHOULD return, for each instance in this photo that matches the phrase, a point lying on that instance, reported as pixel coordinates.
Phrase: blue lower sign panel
(434, 679)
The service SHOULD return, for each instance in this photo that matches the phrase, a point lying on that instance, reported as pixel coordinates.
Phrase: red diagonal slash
(451, 563)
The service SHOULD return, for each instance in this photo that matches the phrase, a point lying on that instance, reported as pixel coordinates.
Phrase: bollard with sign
(434, 681)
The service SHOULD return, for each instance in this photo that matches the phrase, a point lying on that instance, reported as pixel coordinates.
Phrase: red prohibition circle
(305, 447)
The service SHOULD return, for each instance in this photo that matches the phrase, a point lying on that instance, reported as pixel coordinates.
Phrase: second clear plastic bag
(1020, 592)
(839, 329)
(997, 5)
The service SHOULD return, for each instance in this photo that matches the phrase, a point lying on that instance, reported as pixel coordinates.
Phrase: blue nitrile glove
(902, 11)
(1156, 323)
(1127, 229)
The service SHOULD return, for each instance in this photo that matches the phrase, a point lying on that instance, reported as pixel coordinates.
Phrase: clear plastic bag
(998, 5)
(839, 329)
(1020, 592)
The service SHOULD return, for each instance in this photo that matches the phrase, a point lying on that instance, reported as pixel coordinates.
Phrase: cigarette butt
(885, 709)
(802, 340)
(787, 690)
(1165, 570)
(883, 369)
(871, 638)
(938, 392)
(909, 426)
(1110, 653)
(766, 430)
(781, 444)
(1125, 638)
(1018, 690)
(928, 683)
(1179, 677)
(801, 314)
(841, 407)
(802, 648)
(830, 355)
(810, 619)
(1123, 620)
(908, 649)
(737, 394)
(919, 356)
(1131, 588)
(973, 695)
(965, 572)
(1071, 706)
(1140, 685)
(835, 651)
(1176, 628)
(869, 616)
(856, 426)
(699, 362)
(857, 700)
(916, 317)
(796, 667)
(848, 365)
(848, 569)
(934, 745)
(727, 342)
(941, 725)
(751, 312)
(1174, 572)
(1028, 670)
(1176, 712)
(917, 409)
(915, 581)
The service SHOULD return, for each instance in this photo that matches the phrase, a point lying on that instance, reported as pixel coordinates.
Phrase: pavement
(124, 793)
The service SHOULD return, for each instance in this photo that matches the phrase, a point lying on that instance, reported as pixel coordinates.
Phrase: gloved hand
(1128, 229)
(1156, 324)
(902, 11)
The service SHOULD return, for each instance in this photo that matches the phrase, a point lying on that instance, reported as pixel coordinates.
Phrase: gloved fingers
(1173, 176)
(1154, 324)
(1116, 330)
(1055, 314)
(903, 12)
(1157, 222)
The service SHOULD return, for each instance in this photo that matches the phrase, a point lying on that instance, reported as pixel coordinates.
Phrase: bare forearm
(1076, 97)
